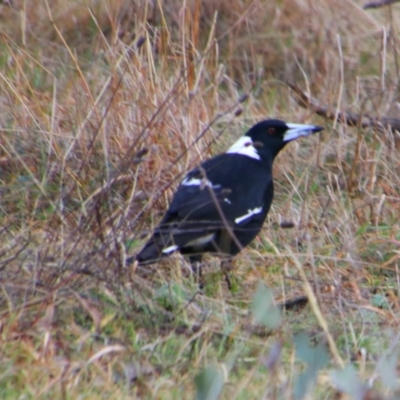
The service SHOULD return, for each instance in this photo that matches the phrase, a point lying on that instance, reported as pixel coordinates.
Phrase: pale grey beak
(297, 130)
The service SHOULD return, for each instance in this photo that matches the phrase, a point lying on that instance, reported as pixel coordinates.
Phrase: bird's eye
(271, 131)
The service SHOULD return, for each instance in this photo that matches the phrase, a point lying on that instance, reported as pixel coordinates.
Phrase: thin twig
(345, 117)
(378, 4)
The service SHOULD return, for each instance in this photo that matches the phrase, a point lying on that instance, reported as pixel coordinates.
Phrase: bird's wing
(218, 192)
(192, 215)
(203, 201)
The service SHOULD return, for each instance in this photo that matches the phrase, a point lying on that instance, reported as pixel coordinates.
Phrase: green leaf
(347, 381)
(304, 383)
(379, 300)
(209, 383)
(265, 312)
(315, 357)
(387, 369)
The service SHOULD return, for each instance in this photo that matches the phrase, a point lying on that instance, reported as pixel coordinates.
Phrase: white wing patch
(170, 249)
(200, 241)
(245, 147)
(199, 182)
(250, 213)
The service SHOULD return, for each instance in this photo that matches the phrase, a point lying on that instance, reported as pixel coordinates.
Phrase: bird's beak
(297, 130)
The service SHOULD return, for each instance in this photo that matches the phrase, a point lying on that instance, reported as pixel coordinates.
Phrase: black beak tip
(318, 129)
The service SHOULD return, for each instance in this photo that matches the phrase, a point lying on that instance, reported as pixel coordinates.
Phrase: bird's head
(268, 137)
(265, 139)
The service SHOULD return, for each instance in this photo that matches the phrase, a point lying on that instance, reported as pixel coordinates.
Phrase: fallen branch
(379, 4)
(345, 117)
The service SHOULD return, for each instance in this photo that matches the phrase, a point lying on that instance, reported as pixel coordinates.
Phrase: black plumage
(221, 205)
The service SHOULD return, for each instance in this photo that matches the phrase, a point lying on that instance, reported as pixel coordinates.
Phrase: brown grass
(104, 106)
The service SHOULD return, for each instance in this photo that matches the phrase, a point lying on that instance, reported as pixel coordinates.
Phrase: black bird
(221, 205)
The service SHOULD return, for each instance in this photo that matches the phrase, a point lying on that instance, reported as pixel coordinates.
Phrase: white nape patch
(199, 182)
(250, 213)
(200, 241)
(169, 249)
(227, 201)
(245, 147)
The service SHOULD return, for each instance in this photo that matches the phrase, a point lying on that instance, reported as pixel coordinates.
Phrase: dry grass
(104, 106)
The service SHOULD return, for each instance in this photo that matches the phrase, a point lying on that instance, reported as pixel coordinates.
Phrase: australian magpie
(221, 205)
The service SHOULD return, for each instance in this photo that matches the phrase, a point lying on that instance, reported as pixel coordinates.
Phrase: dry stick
(353, 178)
(378, 4)
(393, 36)
(341, 86)
(3, 253)
(345, 117)
(209, 125)
(316, 310)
